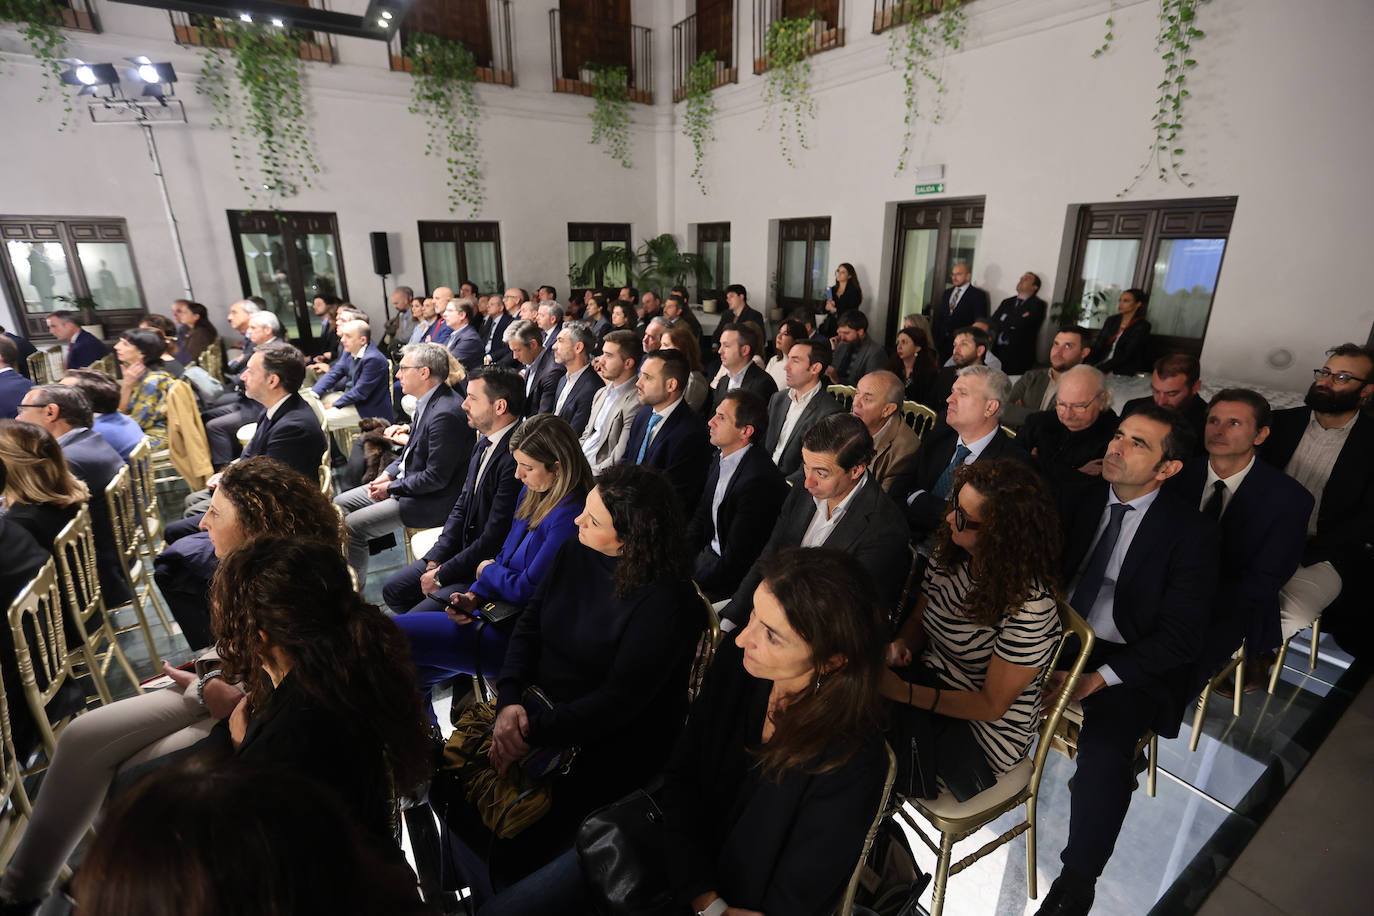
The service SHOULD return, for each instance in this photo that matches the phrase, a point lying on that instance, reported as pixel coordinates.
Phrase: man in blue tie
(667, 434)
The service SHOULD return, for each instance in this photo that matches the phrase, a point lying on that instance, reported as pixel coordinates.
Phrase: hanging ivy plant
(260, 101)
(935, 28)
(1174, 42)
(701, 111)
(611, 113)
(1108, 38)
(787, 81)
(445, 73)
(40, 22)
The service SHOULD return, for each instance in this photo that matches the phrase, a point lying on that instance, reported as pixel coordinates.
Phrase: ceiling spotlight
(151, 73)
(383, 23)
(90, 76)
(245, 17)
(86, 75)
(386, 14)
(278, 23)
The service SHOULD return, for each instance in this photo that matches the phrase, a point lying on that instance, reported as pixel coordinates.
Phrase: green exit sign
(934, 187)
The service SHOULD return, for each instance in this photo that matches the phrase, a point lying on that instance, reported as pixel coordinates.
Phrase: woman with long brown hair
(41, 493)
(915, 364)
(682, 338)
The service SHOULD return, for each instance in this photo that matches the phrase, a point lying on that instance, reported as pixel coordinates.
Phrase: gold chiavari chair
(129, 537)
(145, 495)
(13, 798)
(842, 393)
(919, 417)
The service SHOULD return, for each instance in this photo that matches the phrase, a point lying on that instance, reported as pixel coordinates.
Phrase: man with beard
(970, 349)
(1035, 389)
(1328, 447)
(1174, 385)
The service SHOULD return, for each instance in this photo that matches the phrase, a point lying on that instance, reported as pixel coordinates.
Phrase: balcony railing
(888, 14)
(711, 28)
(574, 43)
(496, 67)
(201, 31)
(827, 29)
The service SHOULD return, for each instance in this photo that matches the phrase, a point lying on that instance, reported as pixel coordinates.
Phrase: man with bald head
(501, 311)
(878, 402)
(962, 304)
(1069, 440)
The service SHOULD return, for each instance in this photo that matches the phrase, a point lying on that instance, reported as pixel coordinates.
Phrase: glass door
(454, 253)
(930, 239)
(289, 258)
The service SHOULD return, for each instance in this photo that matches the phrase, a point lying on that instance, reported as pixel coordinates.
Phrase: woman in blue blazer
(556, 477)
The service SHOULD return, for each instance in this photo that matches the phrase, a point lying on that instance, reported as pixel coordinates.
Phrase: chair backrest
(74, 550)
(1011, 433)
(106, 364)
(898, 614)
(38, 368)
(919, 417)
(313, 400)
(211, 359)
(128, 534)
(11, 780)
(145, 491)
(847, 902)
(1071, 625)
(40, 642)
(842, 393)
(706, 646)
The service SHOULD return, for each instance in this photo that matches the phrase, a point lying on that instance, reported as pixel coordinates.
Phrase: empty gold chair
(919, 417)
(129, 537)
(842, 393)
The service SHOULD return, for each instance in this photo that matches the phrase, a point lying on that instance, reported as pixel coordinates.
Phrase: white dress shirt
(1232, 484)
(1314, 458)
(729, 464)
(796, 406)
(599, 422)
(572, 378)
(824, 522)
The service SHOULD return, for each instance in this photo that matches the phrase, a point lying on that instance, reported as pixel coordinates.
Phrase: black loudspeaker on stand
(381, 262)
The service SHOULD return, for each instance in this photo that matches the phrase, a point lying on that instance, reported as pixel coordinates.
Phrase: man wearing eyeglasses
(1328, 447)
(1068, 440)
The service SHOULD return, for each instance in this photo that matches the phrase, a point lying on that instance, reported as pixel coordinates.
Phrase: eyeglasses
(961, 520)
(404, 366)
(30, 406)
(1342, 377)
(1061, 405)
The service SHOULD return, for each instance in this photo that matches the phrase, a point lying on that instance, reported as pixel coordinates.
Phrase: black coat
(822, 405)
(747, 512)
(680, 449)
(577, 409)
(438, 450)
(26, 349)
(728, 318)
(1132, 353)
(973, 304)
(1014, 328)
(923, 514)
(542, 394)
(755, 380)
(292, 436)
(1194, 410)
(492, 344)
(1059, 453)
(480, 519)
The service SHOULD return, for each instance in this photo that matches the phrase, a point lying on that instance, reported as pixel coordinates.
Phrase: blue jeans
(556, 888)
(442, 649)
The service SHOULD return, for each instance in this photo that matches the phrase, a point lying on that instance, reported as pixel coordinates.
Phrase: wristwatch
(714, 908)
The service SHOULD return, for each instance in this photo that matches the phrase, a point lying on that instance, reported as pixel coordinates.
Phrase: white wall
(1278, 117)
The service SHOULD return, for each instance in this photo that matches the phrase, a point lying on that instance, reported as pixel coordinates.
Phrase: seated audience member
(614, 406)
(857, 353)
(578, 385)
(737, 301)
(464, 340)
(1015, 326)
(259, 497)
(744, 492)
(628, 294)
(789, 332)
(878, 403)
(41, 493)
(419, 488)
(799, 406)
(1123, 345)
(685, 342)
(238, 407)
(1141, 568)
(1067, 443)
(839, 506)
(25, 348)
(1035, 389)
(548, 317)
(398, 328)
(653, 331)
(499, 318)
(555, 479)
(677, 311)
(1174, 385)
(594, 313)
(439, 331)
(624, 316)
(66, 415)
(960, 306)
(609, 638)
(13, 385)
(915, 365)
(422, 311)
(650, 307)
(167, 328)
(541, 372)
(360, 375)
(781, 766)
(971, 432)
(1263, 516)
(81, 346)
(738, 347)
(1328, 447)
(480, 518)
(296, 839)
(666, 433)
(24, 557)
(326, 346)
(967, 661)
(970, 349)
(144, 386)
(121, 431)
(194, 332)
(239, 313)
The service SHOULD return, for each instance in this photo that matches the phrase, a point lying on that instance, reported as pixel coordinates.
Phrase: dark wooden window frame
(717, 234)
(598, 234)
(944, 215)
(495, 58)
(811, 229)
(830, 35)
(203, 32)
(288, 223)
(710, 28)
(457, 233)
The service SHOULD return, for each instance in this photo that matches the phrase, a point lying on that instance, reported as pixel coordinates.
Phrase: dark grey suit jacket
(821, 406)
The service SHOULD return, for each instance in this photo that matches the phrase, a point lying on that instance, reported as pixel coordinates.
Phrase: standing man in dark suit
(13, 385)
(737, 299)
(481, 518)
(840, 506)
(1016, 325)
(1174, 385)
(744, 491)
(739, 344)
(25, 348)
(667, 434)
(802, 405)
(1263, 525)
(83, 347)
(1141, 567)
(960, 306)
(541, 372)
(361, 374)
(1328, 447)
(465, 343)
(419, 488)
(578, 387)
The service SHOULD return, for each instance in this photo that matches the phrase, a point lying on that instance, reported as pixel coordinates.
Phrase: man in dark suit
(83, 347)
(541, 372)
(578, 387)
(495, 352)
(362, 374)
(676, 309)
(481, 518)
(802, 405)
(970, 433)
(744, 491)
(25, 348)
(666, 433)
(840, 506)
(465, 343)
(549, 317)
(1068, 440)
(960, 306)
(739, 344)
(1328, 447)
(1174, 385)
(1016, 325)
(1141, 567)
(857, 353)
(737, 298)
(419, 488)
(13, 385)
(1263, 517)
(236, 407)
(970, 349)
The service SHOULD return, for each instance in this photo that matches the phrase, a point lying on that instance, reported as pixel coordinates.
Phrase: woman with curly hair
(967, 660)
(144, 385)
(608, 638)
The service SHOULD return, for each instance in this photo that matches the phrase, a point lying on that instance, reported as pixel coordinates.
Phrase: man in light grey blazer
(614, 407)
(799, 406)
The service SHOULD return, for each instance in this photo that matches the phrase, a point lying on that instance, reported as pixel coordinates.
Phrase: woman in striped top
(967, 662)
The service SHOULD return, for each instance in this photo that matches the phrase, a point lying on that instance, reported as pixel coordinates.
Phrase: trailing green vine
(935, 27)
(445, 72)
(701, 110)
(611, 113)
(787, 81)
(265, 113)
(40, 22)
(1108, 38)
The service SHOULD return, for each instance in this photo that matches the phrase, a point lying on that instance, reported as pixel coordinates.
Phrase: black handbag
(624, 858)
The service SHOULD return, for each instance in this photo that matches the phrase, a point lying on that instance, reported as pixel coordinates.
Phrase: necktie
(654, 420)
(946, 480)
(954, 298)
(1095, 573)
(476, 462)
(1212, 508)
